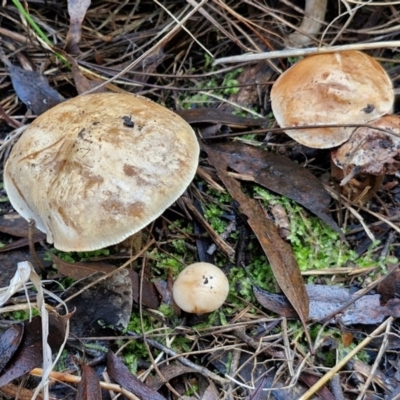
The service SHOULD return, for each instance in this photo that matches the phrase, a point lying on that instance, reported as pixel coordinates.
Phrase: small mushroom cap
(200, 288)
(96, 169)
(371, 151)
(349, 87)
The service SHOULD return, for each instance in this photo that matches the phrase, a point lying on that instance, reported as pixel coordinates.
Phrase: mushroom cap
(371, 151)
(200, 288)
(349, 87)
(97, 168)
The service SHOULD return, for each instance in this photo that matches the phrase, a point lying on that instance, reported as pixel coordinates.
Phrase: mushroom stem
(314, 13)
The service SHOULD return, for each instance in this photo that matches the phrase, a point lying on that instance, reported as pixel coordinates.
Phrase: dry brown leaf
(120, 373)
(89, 386)
(29, 354)
(281, 175)
(326, 300)
(278, 252)
(77, 11)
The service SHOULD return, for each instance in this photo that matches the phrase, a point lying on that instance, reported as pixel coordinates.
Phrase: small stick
(328, 376)
(303, 52)
(63, 377)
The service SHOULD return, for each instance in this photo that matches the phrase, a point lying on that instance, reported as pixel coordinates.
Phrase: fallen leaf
(278, 252)
(371, 151)
(13, 224)
(80, 270)
(169, 372)
(29, 353)
(89, 386)
(33, 89)
(77, 11)
(105, 306)
(388, 287)
(216, 116)
(83, 84)
(211, 392)
(150, 298)
(10, 340)
(279, 174)
(310, 380)
(325, 300)
(120, 373)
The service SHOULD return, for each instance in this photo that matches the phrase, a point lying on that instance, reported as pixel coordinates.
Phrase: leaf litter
(104, 39)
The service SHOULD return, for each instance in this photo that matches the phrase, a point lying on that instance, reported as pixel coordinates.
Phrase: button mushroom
(349, 87)
(96, 169)
(200, 288)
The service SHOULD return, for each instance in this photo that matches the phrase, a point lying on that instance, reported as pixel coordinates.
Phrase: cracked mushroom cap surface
(98, 168)
(347, 87)
(200, 288)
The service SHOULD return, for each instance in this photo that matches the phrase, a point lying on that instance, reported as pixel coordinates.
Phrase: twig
(328, 376)
(202, 370)
(377, 361)
(63, 377)
(303, 52)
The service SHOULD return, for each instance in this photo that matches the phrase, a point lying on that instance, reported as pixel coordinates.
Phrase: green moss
(315, 244)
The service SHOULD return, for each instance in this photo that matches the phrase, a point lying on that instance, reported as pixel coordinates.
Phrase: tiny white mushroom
(200, 288)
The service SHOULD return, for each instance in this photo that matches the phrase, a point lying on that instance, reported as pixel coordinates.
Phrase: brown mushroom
(200, 288)
(96, 169)
(349, 87)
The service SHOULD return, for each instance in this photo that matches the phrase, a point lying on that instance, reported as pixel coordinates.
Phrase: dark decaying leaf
(150, 297)
(101, 307)
(211, 392)
(20, 243)
(89, 386)
(33, 89)
(254, 369)
(120, 373)
(278, 252)
(82, 84)
(9, 263)
(80, 270)
(279, 174)
(169, 372)
(325, 300)
(13, 224)
(258, 391)
(10, 340)
(310, 379)
(216, 116)
(77, 11)
(389, 288)
(29, 353)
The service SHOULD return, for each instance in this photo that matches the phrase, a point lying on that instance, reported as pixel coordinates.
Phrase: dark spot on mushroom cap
(369, 108)
(129, 170)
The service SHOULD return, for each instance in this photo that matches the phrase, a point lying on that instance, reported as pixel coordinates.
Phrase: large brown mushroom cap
(336, 88)
(98, 168)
